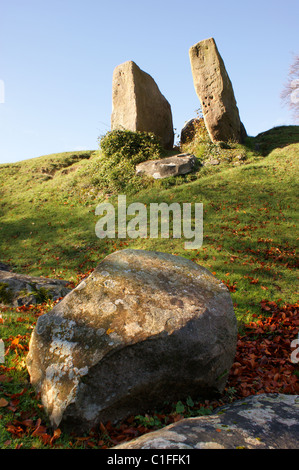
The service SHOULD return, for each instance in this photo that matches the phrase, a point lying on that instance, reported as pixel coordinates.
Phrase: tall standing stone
(138, 105)
(215, 92)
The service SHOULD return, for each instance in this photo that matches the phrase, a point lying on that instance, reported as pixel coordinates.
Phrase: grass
(47, 228)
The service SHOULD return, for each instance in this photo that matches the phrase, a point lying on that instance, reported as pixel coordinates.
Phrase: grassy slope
(47, 226)
(250, 226)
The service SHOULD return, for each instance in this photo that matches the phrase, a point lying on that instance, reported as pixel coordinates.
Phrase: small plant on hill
(133, 146)
(121, 151)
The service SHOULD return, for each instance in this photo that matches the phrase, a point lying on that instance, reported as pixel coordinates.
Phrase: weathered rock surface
(5, 267)
(171, 166)
(211, 161)
(215, 92)
(188, 130)
(257, 422)
(21, 289)
(143, 328)
(138, 105)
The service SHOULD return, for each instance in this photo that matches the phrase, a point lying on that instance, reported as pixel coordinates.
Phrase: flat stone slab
(180, 164)
(266, 421)
(26, 290)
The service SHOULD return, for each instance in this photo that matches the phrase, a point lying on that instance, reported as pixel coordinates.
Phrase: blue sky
(57, 59)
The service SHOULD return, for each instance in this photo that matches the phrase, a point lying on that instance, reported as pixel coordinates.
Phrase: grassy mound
(48, 216)
(250, 233)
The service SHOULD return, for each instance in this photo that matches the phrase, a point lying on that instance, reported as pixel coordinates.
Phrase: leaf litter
(263, 364)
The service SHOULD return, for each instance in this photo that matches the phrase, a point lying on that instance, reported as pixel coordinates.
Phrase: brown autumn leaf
(28, 423)
(46, 438)
(15, 430)
(4, 378)
(39, 429)
(3, 402)
(103, 428)
(56, 435)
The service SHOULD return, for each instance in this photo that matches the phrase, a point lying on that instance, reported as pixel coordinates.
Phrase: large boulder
(143, 328)
(170, 166)
(21, 289)
(138, 105)
(266, 421)
(215, 92)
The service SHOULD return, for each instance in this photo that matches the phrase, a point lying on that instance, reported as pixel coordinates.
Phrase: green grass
(250, 220)
(47, 227)
(277, 138)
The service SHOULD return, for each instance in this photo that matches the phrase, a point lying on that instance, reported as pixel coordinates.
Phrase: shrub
(121, 150)
(136, 146)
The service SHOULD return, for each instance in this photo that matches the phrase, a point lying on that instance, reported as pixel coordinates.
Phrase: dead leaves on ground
(262, 365)
(263, 360)
(19, 428)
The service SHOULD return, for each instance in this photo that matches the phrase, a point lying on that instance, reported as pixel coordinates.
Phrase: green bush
(137, 146)
(121, 150)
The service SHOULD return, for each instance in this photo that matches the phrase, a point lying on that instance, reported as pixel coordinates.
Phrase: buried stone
(264, 421)
(20, 289)
(143, 328)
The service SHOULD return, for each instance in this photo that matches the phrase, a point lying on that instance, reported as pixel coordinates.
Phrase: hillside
(250, 233)
(250, 222)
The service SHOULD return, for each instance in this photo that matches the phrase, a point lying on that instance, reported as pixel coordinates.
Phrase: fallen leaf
(4, 378)
(56, 435)
(3, 402)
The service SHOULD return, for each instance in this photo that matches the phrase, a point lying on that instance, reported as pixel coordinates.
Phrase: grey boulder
(266, 421)
(143, 328)
(22, 289)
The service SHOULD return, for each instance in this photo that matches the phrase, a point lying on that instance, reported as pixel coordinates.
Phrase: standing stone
(138, 105)
(215, 92)
(143, 328)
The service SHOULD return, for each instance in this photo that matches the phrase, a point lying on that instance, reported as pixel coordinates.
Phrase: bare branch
(290, 93)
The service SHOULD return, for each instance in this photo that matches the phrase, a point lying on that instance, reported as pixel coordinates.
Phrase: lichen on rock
(142, 328)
